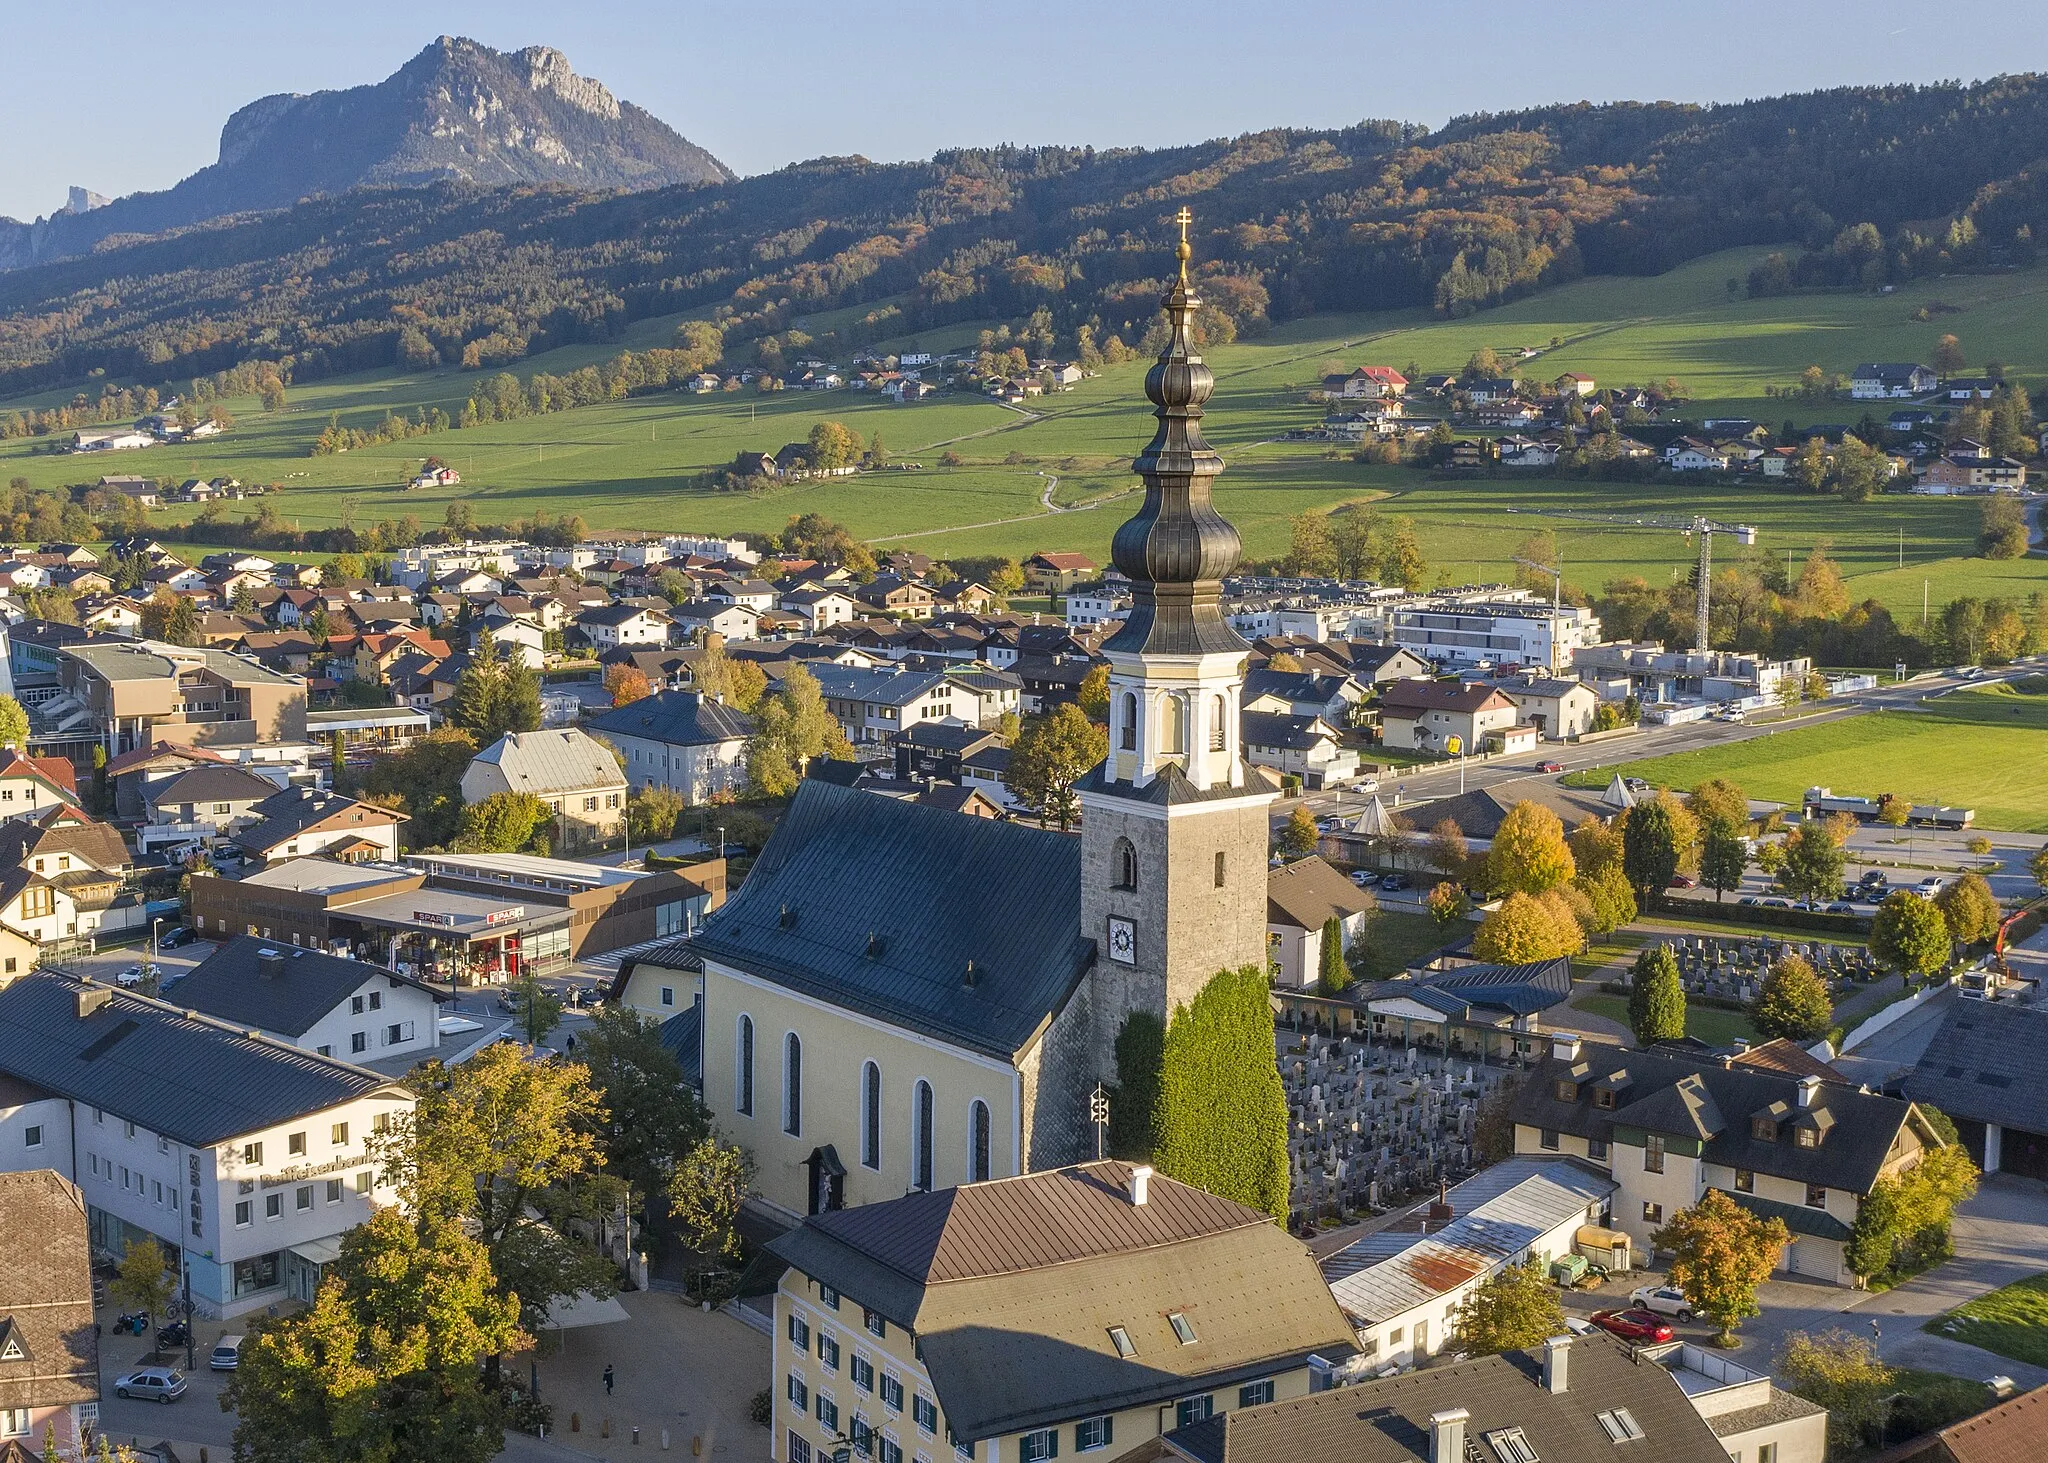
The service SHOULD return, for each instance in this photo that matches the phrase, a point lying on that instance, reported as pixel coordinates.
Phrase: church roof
(962, 929)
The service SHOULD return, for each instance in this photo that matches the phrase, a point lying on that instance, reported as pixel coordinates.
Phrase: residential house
(87, 861)
(1560, 709)
(987, 771)
(33, 786)
(1306, 747)
(245, 1156)
(1669, 1125)
(985, 697)
(1690, 454)
(878, 705)
(1959, 389)
(933, 751)
(906, 599)
(1527, 452)
(1575, 1399)
(206, 802)
(1301, 899)
(2009, 1432)
(1442, 716)
(702, 617)
(1489, 389)
(1089, 606)
(304, 820)
(1377, 664)
(1955, 471)
(1572, 383)
(755, 594)
(1401, 1287)
(820, 607)
(1132, 1304)
(1057, 573)
(317, 1002)
(682, 740)
(49, 1341)
(513, 637)
(623, 624)
(573, 773)
(1333, 697)
(1884, 380)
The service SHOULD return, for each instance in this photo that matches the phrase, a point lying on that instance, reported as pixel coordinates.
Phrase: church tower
(1174, 825)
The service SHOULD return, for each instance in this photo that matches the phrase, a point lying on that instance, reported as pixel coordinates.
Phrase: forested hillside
(1874, 184)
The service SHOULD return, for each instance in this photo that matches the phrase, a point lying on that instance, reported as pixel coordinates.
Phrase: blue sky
(123, 96)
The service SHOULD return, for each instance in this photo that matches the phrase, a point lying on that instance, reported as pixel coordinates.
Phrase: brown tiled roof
(1780, 1054)
(46, 1293)
(2012, 1432)
(1308, 892)
(1403, 696)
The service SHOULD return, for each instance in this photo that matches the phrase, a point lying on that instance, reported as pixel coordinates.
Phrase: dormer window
(1567, 1091)
(1806, 1138)
(1764, 1130)
(1603, 1097)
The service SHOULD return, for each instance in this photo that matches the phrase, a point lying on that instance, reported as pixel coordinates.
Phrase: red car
(1550, 766)
(1634, 1324)
(1683, 881)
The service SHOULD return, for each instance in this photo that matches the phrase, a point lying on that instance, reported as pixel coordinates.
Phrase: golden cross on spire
(1184, 218)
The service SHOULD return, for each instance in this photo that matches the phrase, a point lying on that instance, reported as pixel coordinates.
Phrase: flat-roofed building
(135, 693)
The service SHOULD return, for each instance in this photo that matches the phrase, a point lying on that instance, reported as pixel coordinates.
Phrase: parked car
(174, 937)
(1667, 1300)
(1550, 766)
(1841, 906)
(1777, 904)
(1683, 881)
(227, 1355)
(1396, 881)
(1749, 899)
(1364, 878)
(1634, 1325)
(152, 1383)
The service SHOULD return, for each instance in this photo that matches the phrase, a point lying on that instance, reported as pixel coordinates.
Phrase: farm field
(621, 464)
(1982, 749)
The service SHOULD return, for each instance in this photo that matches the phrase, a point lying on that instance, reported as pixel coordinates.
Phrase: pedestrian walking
(572, 1045)
(607, 1379)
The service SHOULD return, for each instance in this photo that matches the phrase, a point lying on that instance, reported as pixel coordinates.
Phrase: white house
(1886, 380)
(570, 771)
(611, 626)
(1301, 899)
(682, 740)
(1401, 1287)
(818, 606)
(247, 1157)
(314, 1001)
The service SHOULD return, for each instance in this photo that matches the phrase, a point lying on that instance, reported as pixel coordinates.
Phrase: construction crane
(1699, 524)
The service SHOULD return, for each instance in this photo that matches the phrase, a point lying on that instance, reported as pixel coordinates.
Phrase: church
(901, 999)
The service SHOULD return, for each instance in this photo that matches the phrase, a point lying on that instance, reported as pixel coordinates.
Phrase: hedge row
(1853, 925)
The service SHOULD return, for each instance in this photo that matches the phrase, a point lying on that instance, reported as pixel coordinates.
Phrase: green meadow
(624, 464)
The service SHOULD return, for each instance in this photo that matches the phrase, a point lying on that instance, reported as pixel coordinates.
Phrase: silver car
(161, 1383)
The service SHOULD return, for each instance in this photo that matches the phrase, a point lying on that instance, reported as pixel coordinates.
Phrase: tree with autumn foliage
(626, 684)
(1720, 1255)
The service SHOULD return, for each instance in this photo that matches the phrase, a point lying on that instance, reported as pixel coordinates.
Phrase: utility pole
(1923, 604)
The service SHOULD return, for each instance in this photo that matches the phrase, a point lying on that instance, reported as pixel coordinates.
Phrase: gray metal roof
(231, 984)
(877, 687)
(677, 719)
(961, 928)
(560, 760)
(1988, 1062)
(193, 1079)
(1497, 1214)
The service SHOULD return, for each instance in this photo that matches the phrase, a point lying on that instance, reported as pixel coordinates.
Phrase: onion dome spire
(1177, 548)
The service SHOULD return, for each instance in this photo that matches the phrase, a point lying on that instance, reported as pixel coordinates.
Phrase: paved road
(1449, 778)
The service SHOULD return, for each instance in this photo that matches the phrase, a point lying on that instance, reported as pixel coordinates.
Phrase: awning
(586, 1310)
(324, 1251)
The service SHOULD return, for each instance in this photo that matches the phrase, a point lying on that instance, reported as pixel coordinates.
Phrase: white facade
(380, 1018)
(696, 772)
(1520, 633)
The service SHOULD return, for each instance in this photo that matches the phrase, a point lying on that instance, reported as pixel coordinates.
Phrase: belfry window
(1125, 855)
(1128, 738)
(1173, 724)
(1219, 721)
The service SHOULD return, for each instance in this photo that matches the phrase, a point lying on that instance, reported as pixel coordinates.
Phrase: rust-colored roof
(144, 756)
(1782, 1055)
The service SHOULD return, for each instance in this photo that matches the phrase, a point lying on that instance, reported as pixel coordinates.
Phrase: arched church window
(793, 1085)
(1125, 864)
(871, 1116)
(743, 1066)
(1219, 728)
(921, 1136)
(980, 1143)
(1173, 724)
(1129, 716)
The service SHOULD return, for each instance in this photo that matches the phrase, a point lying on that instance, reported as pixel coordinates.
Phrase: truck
(1821, 801)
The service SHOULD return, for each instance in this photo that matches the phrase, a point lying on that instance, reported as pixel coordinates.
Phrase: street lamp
(721, 840)
(154, 978)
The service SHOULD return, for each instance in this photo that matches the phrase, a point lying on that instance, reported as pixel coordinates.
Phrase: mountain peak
(459, 110)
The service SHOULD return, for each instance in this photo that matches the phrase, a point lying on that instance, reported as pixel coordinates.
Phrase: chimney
(1447, 1435)
(1564, 1045)
(91, 998)
(1741, 1045)
(1440, 1212)
(1557, 1353)
(1809, 1088)
(1141, 1180)
(269, 964)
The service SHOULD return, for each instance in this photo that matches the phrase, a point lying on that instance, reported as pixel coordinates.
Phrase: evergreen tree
(1333, 975)
(519, 707)
(1140, 1048)
(1656, 998)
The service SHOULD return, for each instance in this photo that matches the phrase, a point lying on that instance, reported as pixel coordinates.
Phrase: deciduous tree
(705, 1194)
(793, 725)
(1529, 853)
(650, 1118)
(1842, 1372)
(1649, 848)
(1515, 1309)
(1092, 695)
(1910, 935)
(1523, 929)
(1656, 997)
(1052, 753)
(1970, 908)
(626, 684)
(1447, 851)
(1299, 834)
(1718, 798)
(1792, 1001)
(1723, 857)
(1813, 862)
(1720, 1255)
(504, 822)
(1447, 904)
(652, 813)
(13, 724)
(507, 1148)
(387, 1364)
(145, 1281)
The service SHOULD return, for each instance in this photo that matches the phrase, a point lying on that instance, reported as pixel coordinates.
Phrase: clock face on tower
(1123, 940)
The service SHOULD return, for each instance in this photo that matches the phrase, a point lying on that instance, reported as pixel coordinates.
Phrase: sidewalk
(674, 1367)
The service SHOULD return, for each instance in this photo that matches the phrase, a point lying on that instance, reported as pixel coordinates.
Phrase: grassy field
(2012, 1321)
(1715, 1027)
(1395, 939)
(1984, 749)
(621, 465)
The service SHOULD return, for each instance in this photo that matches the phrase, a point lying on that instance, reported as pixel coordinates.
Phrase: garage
(1985, 1067)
